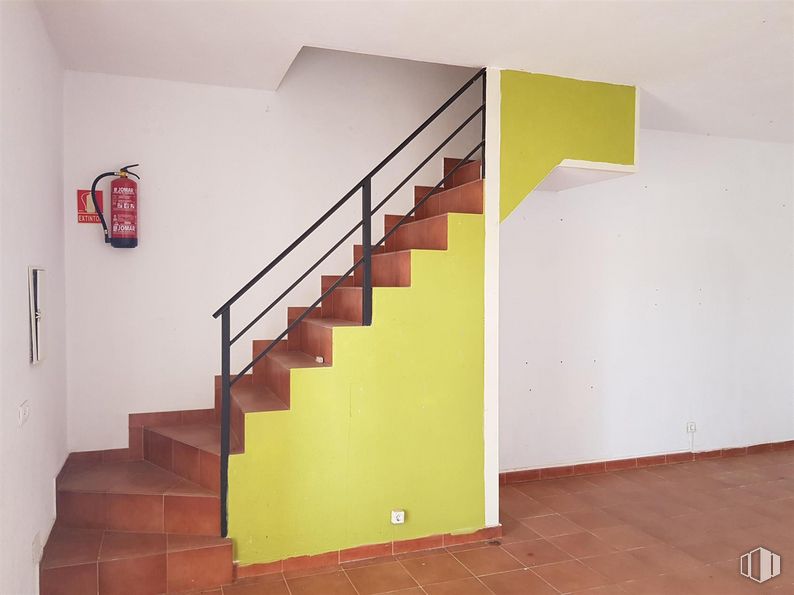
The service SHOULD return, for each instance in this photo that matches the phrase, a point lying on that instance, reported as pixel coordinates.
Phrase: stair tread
(332, 322)
(253, 398)
(295, 359)
(127, 477)
(448, 191)
(70, 547)
(205, 437)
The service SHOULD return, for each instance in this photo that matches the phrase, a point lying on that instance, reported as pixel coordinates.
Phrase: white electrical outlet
(23, 413)
(397, 517)
(691, 428)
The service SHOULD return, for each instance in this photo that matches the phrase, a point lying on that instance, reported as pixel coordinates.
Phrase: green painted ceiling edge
(545, 119)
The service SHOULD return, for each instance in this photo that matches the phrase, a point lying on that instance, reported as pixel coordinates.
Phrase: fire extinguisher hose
(122, 172)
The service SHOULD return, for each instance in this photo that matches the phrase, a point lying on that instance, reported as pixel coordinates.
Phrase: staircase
(146, 520)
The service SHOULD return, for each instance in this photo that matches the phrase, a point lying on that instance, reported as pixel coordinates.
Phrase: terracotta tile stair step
(327, 305)
(389, 221)
(358, 253)
(260, 367)
(248, 396)
(470, 171)
(134, 496)
(465, 198)
(99, 561)
(347, 304)
(425, 234)
(278, 366)
(317, 336)
(391, 269)
(190, 451)
(294, 336)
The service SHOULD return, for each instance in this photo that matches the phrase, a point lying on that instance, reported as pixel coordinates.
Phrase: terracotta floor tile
(518, 505)
(67, 547)
(380, 578)
(593, 519)
(270, 585)
(435, 569)
(625, 537)
(80, 579)
(620, 567)
(513, 530)
(133, 576)
(536, 552)
(487, 560)
(666, 558)
(335, 583)
(570, 576)
(552, 525)
(128, 545)
(581, 545)
(517, 582)
(566, 503)
(466, 586)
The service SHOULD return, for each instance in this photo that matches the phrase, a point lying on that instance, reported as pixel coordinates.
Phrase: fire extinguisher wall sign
(123, 208)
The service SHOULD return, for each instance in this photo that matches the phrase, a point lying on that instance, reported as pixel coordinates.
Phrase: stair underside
(149, 526)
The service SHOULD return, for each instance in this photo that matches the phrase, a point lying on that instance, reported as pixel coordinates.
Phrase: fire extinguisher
(123, 207)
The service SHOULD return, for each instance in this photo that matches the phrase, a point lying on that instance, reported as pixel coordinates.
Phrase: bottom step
(96, 562)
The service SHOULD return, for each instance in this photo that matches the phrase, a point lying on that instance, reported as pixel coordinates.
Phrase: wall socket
(691, 428)
(397, 517)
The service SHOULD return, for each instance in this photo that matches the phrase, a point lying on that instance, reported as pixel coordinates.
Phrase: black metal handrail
(365, 224)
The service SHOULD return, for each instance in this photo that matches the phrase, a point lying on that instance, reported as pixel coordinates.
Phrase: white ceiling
(707, 67)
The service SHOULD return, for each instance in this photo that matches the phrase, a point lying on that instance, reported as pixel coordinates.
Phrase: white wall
(31, 233)
(230, 176)
(633, 306)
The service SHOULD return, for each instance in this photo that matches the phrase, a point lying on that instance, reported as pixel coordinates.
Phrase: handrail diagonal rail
(365, 185)
(336, 206)
(345, 275)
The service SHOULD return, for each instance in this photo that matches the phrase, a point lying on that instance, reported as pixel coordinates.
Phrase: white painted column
(491, 415)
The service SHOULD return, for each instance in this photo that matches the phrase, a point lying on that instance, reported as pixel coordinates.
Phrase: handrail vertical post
(366, 241)
(226, 389)
(484, 107)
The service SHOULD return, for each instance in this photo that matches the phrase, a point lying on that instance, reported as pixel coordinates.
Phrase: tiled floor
(676, 530)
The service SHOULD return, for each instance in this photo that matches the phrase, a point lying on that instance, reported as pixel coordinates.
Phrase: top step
(469, 172)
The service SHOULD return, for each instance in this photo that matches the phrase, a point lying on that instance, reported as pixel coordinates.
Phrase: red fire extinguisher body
(124, 213)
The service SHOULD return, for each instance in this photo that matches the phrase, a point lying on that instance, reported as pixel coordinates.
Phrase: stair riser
(237, 417)
(347, 304)
(317, 340)
(277, 379)
(171, 572)
(203, 568)
(467, 173)
(389, 221)
(260, 367)
(462, 199)
(358, 254)
(327, 305)
(193, 464)
(392, 270)
(428, 234)
(294, 336)
(144, 513)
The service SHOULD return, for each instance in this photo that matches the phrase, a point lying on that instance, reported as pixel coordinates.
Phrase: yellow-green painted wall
(545, 119)
(396, 422)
